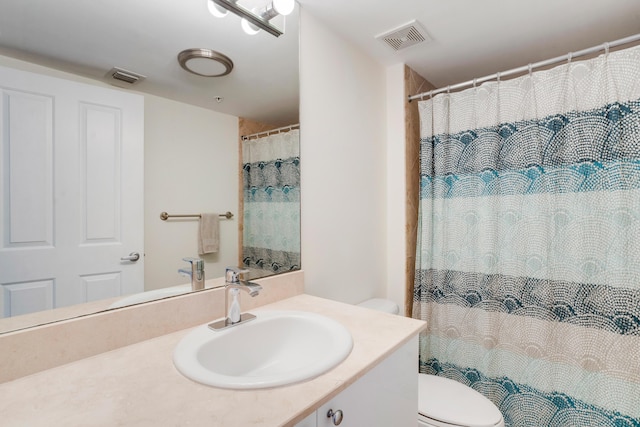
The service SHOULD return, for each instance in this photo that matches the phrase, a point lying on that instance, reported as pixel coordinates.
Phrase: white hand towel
(209, 233)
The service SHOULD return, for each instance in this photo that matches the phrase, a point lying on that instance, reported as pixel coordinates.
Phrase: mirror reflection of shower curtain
(271, 191)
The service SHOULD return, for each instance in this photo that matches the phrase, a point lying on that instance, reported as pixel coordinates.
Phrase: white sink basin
(275, 349)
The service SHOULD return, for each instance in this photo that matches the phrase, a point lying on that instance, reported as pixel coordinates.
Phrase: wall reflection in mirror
(89, 163)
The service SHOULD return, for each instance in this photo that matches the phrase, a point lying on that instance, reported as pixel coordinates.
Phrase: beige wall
(191, 161)
(396, 186)
(359, 171)
(343, 166)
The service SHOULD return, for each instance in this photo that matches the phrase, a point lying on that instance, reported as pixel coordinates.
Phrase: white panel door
(71, 199)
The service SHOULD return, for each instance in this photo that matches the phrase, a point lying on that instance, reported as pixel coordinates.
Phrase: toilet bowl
(443, 402)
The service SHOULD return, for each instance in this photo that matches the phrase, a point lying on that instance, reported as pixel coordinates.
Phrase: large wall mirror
(57, 87)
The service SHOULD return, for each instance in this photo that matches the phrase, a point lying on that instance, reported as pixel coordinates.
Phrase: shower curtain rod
(270, 132)
(531, 66)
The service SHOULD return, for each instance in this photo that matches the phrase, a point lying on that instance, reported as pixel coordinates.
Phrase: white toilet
(443, 402)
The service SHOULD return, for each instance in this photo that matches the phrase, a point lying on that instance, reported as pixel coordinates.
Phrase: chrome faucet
(232, 281)
(196, 273)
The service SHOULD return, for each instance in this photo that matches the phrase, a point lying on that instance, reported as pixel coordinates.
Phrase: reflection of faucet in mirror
(233, 315)
(196, 273)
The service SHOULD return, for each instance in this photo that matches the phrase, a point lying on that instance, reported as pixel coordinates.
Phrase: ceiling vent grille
(121, 77)
(407, 35)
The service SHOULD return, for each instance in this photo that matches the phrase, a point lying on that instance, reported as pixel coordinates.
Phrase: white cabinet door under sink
(384, 397)
(71, 200)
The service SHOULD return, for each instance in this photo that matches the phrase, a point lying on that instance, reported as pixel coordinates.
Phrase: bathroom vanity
(139, 385)
(384, 396)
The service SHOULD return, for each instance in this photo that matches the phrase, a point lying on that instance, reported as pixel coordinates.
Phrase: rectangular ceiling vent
(405, 36)
(124, 78)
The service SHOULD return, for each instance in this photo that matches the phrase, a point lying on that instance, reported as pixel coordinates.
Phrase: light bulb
(283, 7)
(248, 27)
(215, 10)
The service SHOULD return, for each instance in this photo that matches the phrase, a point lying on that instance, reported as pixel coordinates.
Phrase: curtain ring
(530, 70)
(448, 89)
(569, 57)
(606, 48)
(431, 94)
(475, 80)
(498, 76)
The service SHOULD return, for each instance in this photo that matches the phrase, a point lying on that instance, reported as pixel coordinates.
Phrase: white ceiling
(475, 38)
(470, 38)
(145, 36)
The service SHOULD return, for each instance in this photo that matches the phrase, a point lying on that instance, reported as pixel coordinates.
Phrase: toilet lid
(451, 402)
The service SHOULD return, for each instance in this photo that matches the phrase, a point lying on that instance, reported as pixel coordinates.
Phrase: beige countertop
(138, 385)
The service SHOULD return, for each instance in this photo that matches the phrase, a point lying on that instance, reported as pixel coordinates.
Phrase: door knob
(133, 257)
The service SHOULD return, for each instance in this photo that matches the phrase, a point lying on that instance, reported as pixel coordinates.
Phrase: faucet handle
(196, 262)
(232, 274)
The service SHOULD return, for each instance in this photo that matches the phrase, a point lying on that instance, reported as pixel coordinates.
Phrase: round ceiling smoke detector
(205, 62)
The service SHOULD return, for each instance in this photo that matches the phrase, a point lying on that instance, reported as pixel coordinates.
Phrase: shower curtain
(271, 187)
(528, 253)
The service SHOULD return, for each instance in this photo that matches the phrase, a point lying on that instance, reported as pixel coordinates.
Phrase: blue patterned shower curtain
(271, 173)
(528, 255)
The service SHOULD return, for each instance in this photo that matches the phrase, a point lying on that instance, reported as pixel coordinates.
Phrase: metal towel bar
(164, 216)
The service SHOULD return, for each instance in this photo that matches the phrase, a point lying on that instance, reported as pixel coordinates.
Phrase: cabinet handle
(336, 416)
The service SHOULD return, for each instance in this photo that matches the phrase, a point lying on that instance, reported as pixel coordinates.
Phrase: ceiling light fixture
(205, 62)
(216, 10)
(253, 21)
(248, 27)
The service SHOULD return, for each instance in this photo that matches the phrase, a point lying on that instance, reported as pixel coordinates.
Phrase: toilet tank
(381, 304)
